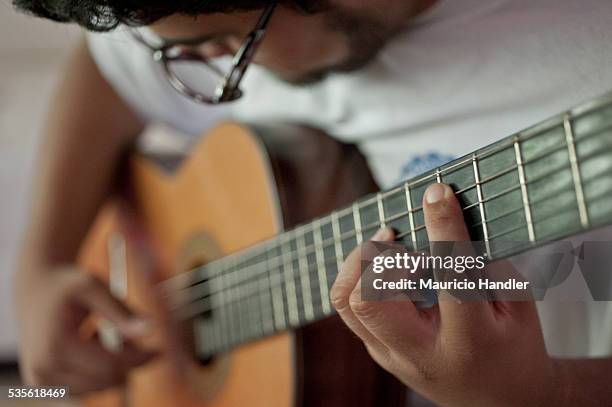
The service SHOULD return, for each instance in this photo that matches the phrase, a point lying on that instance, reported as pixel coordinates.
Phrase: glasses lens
(199, 77)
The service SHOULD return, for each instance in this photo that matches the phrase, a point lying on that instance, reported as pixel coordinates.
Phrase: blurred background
(32, 53)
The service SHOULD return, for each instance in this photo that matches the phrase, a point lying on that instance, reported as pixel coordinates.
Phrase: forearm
(88, 129)
(586, 382)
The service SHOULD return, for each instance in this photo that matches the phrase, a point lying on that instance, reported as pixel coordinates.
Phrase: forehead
(176, 26)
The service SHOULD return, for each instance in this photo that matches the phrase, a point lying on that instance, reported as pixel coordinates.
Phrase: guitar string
(278, 260)
(365, 203)
(301, 273)
(569, 207)
(237, 338)
(534, 132)
(309, 272)
(263, 329)
(327, 244)
(256, 249)
(256, 318)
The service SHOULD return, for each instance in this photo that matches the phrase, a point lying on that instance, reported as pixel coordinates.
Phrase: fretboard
(545, 183)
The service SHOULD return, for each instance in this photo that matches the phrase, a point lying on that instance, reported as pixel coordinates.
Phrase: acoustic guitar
(225, 239)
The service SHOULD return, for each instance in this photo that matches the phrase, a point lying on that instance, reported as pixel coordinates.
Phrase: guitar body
(238, 187)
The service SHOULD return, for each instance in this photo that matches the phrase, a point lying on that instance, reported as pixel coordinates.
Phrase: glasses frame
(228, 88)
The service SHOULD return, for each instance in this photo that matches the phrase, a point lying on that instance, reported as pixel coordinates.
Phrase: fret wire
(254, 293)
(557, 212)
(266, 298)
(236, 314)
(277, 297)
(499, 174)
(347, 210)
(524, 192)
(395, 217)
(556, 235)
(365, 228)
(287, 266)
(505, 171)
(253, 327)
(563, 209)
(235, 299)
(217, 265)
(327, 242)
(246, 312)
(322, 270)
(519, 209)
(337, 241)
(238, 294)
(251, 288)
(223, 331)
(485, 228)
(514, 188)
(411, 216)
(488, 179)
(571, 146)
(253, 315)
(232, 319)
(357, 222)
(229, 295)
(381, 211)
(304, 277)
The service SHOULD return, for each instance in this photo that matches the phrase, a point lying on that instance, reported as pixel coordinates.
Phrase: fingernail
(382, 234)
(435, 193)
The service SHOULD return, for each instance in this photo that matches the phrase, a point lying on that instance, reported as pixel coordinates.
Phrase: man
(413, 83)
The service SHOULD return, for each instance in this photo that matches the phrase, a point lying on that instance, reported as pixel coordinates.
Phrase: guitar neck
(545, 183)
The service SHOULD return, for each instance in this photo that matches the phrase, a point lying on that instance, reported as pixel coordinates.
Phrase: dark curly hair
(105, 15)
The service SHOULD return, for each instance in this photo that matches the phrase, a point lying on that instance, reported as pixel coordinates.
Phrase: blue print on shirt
(422, 163)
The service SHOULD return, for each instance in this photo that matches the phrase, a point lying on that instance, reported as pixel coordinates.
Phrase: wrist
(33, 268)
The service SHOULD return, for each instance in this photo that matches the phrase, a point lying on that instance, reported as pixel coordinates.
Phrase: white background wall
(32, 52)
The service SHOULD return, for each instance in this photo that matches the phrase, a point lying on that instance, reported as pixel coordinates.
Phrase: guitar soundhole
(203, 321)
(214, 366)
(206, 316)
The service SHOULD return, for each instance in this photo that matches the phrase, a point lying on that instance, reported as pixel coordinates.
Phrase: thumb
(96, 297)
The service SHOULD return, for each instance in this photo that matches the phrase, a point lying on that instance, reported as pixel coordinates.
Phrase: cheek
(305, 53)
(301, 44)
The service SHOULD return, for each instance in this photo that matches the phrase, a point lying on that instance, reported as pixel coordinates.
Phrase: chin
(302, 78)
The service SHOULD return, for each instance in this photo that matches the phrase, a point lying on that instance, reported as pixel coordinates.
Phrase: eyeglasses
(203, 79)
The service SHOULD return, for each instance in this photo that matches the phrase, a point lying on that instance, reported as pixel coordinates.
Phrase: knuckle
(339, 299)
(363, 309)
(440, 219)
(339, 295)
